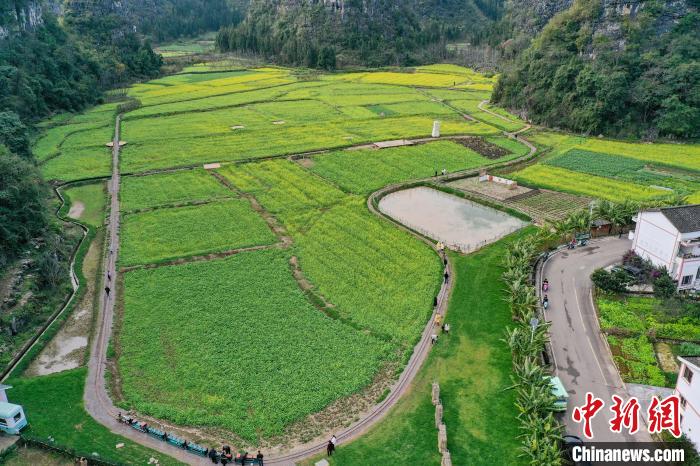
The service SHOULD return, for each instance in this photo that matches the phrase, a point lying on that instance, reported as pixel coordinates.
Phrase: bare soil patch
(666, 359)
(483, 147)
(306, 162)
(67, 350)
(76, 210)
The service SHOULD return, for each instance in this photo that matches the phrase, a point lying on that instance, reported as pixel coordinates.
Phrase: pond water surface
(459, 223)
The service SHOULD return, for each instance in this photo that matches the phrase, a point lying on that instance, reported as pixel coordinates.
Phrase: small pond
(459, 223)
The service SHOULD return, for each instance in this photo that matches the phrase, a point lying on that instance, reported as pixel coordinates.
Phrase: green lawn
(93, 200)
(54, 407)
(140, 192)
(234, 343)
(170, 233)
(473, 367)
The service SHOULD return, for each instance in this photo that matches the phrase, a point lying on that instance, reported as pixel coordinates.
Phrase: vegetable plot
(233, 343)
(167, 234)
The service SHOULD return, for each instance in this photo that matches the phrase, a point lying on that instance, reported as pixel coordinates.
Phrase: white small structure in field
(436, 128)
(12, 418)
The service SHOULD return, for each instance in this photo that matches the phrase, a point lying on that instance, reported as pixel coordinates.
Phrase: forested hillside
(619, 68)
(321, 33)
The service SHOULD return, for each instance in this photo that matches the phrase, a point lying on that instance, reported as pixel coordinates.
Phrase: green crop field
(607, 169)
(78, 164)
(364, 171)
(164, 189)
(233, 343)
(280, 139)
(561, 179)
(377, 276)
(165, 234)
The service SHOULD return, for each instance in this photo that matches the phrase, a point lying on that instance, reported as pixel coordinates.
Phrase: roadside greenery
(541, 431)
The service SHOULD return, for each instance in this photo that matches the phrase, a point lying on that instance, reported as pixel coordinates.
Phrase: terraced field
(612, 170)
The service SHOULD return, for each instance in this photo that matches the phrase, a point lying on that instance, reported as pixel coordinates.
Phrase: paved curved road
(582, 357)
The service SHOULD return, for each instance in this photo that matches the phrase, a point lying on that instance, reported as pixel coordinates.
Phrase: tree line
(646, 83)
(372, 33)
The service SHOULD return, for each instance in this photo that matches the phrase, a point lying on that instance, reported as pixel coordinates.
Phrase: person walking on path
(107, 290)
(330, 448)
(213, 456)
(447, 276)
(260, 458)
(433, 338)
(334, 440)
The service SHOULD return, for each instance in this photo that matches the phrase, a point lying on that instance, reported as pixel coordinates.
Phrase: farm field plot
(91, 129)
(377, 276)
(233, 343)
(171, 233)
(88, 203)
(629, 322)
(141, 192)
(209, 103)
(424, 77)
(258, 117)
(550, 205)
(76, 149)
(364, 171)
(283, 139)
(561, 179)
(166, 91)
(78, 164)
(626, 169)
(471, 107)
(683, 156)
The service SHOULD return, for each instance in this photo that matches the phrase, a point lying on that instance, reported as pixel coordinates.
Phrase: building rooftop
(694, 360)
(685, 218)
(8, 410)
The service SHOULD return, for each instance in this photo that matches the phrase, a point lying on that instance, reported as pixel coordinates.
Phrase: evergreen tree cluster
(644, 84)
(366, 32)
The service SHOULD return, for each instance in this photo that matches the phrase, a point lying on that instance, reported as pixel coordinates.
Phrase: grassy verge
(54, 408)
(473, 367)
